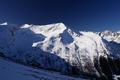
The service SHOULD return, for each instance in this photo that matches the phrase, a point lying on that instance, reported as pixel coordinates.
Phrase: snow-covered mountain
(55, 47)
(110, 36)
(113, 39)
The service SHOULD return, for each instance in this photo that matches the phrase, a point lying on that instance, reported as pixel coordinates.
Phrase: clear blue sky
(92, 15)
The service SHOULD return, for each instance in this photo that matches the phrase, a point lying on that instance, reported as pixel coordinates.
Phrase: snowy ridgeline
(54, 47)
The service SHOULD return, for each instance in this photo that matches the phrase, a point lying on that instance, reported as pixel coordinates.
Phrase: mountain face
(113, 39)
(56, 47)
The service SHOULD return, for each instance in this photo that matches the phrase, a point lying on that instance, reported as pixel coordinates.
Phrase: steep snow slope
(53, 47)
(13, 71)
(77, 49)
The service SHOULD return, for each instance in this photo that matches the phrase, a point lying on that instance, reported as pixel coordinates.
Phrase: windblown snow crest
(53, 47)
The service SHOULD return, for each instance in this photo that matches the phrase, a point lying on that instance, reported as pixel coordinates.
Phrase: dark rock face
(107, 67)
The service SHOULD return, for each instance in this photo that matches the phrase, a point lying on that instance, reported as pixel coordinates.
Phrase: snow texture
(20, 72)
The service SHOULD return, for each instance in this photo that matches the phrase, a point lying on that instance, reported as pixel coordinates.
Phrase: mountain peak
(48, 30)
(5, 23)
(26, 26)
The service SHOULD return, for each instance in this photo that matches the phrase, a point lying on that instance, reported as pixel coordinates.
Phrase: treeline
(107, 67)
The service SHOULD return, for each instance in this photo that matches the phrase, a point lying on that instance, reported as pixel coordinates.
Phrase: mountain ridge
(55, 46)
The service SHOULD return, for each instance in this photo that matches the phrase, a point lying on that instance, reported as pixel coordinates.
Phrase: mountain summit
(55, 47)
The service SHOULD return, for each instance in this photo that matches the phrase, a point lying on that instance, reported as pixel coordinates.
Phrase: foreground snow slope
(13, 71)
(53, 47)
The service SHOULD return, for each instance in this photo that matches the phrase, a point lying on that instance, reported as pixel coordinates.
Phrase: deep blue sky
(92, 15)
